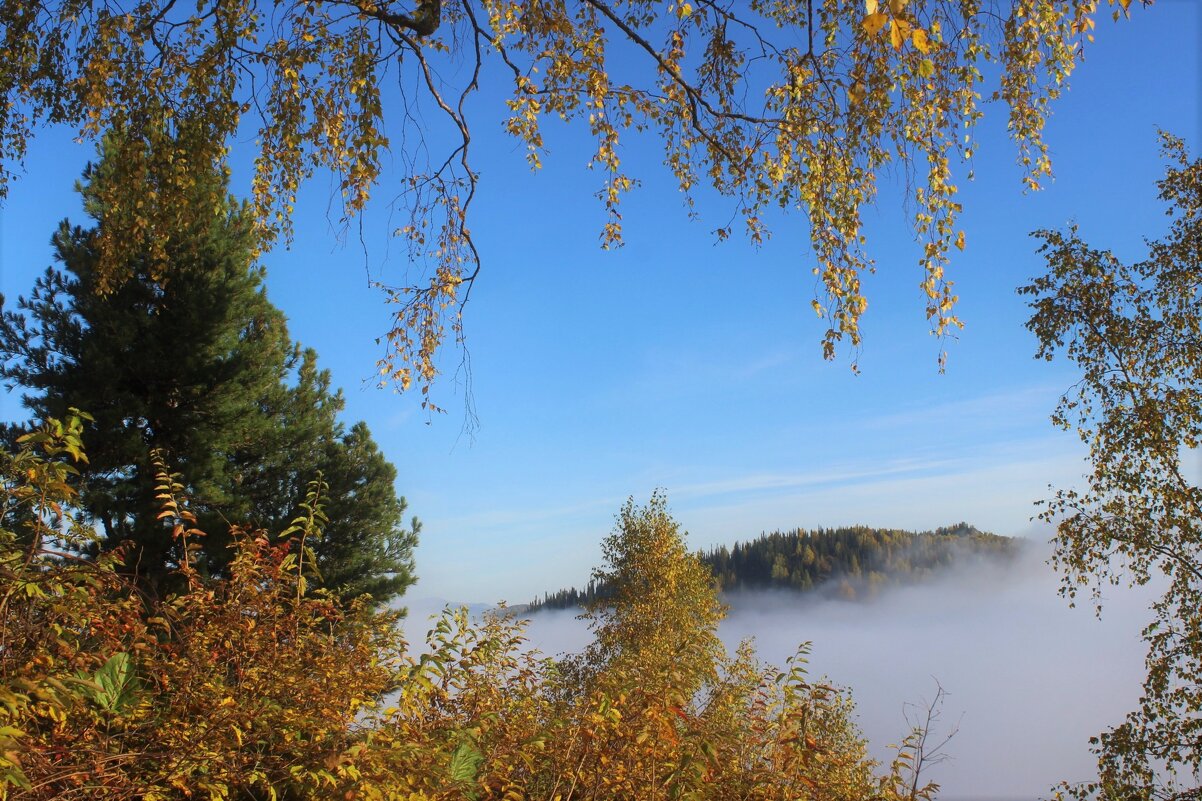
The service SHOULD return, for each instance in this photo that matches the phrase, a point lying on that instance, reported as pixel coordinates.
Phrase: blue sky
(679, 364)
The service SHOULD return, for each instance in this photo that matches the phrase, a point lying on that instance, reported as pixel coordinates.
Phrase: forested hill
(852, 562)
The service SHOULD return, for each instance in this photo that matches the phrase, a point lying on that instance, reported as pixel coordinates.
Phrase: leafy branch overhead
(773, 104)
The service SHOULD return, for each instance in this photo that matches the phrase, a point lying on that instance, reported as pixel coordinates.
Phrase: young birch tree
(1136, 333)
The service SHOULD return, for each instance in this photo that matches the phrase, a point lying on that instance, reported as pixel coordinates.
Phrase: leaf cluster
(653, 708)
(245, 687)
(772, 104)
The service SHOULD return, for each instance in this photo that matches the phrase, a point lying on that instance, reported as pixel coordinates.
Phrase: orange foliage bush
(251, 687)
(239, 688)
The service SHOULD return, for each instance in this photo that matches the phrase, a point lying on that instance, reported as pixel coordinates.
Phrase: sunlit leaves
(249, 686)
(779, 105)
(653, 709)
(874, 83)
(875, 22)
(240, 687)
(922, 43)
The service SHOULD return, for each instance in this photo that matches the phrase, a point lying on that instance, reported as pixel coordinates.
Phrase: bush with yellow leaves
(252, 687)
(245, 687)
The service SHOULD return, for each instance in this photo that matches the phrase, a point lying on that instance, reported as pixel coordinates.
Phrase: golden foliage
(237, 688)
(249, 687)
(774, 104)
(653, 709)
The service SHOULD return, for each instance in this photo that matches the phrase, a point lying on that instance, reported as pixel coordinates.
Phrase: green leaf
(11, 773)
(119, 685)
(465, 764)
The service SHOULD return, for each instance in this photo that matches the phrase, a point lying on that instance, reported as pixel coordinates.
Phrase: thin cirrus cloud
(997, 496)
(1023, 405)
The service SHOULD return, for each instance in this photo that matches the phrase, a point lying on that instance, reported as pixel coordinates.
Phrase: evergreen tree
(201, 368)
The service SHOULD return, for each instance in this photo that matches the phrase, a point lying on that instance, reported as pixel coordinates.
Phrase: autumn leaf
(921, 43)
(874, 22)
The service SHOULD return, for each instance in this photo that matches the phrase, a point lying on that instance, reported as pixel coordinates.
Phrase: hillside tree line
(852, 562)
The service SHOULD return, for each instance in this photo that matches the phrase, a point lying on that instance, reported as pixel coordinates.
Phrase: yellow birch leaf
(921, 43)
(874, 22)
(871, 6)
(896, 36)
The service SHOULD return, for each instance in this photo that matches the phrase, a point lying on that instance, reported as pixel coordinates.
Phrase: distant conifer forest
(850, 562)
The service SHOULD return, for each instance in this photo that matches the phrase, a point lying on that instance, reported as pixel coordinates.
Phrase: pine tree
(201, 368)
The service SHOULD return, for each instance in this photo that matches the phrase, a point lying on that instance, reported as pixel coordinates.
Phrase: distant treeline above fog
(852, 562)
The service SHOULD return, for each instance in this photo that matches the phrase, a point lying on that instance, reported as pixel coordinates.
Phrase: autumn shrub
(654, 708)
(247, 687)
(253, 686)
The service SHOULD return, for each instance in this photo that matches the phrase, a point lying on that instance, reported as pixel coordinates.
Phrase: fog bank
(1029, 679)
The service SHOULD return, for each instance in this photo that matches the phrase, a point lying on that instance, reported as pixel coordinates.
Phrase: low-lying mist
(1028, 679)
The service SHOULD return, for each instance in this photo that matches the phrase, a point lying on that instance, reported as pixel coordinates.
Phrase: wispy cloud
(775, 482)
(1009, 406)
(992, 492)
(993, 487)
